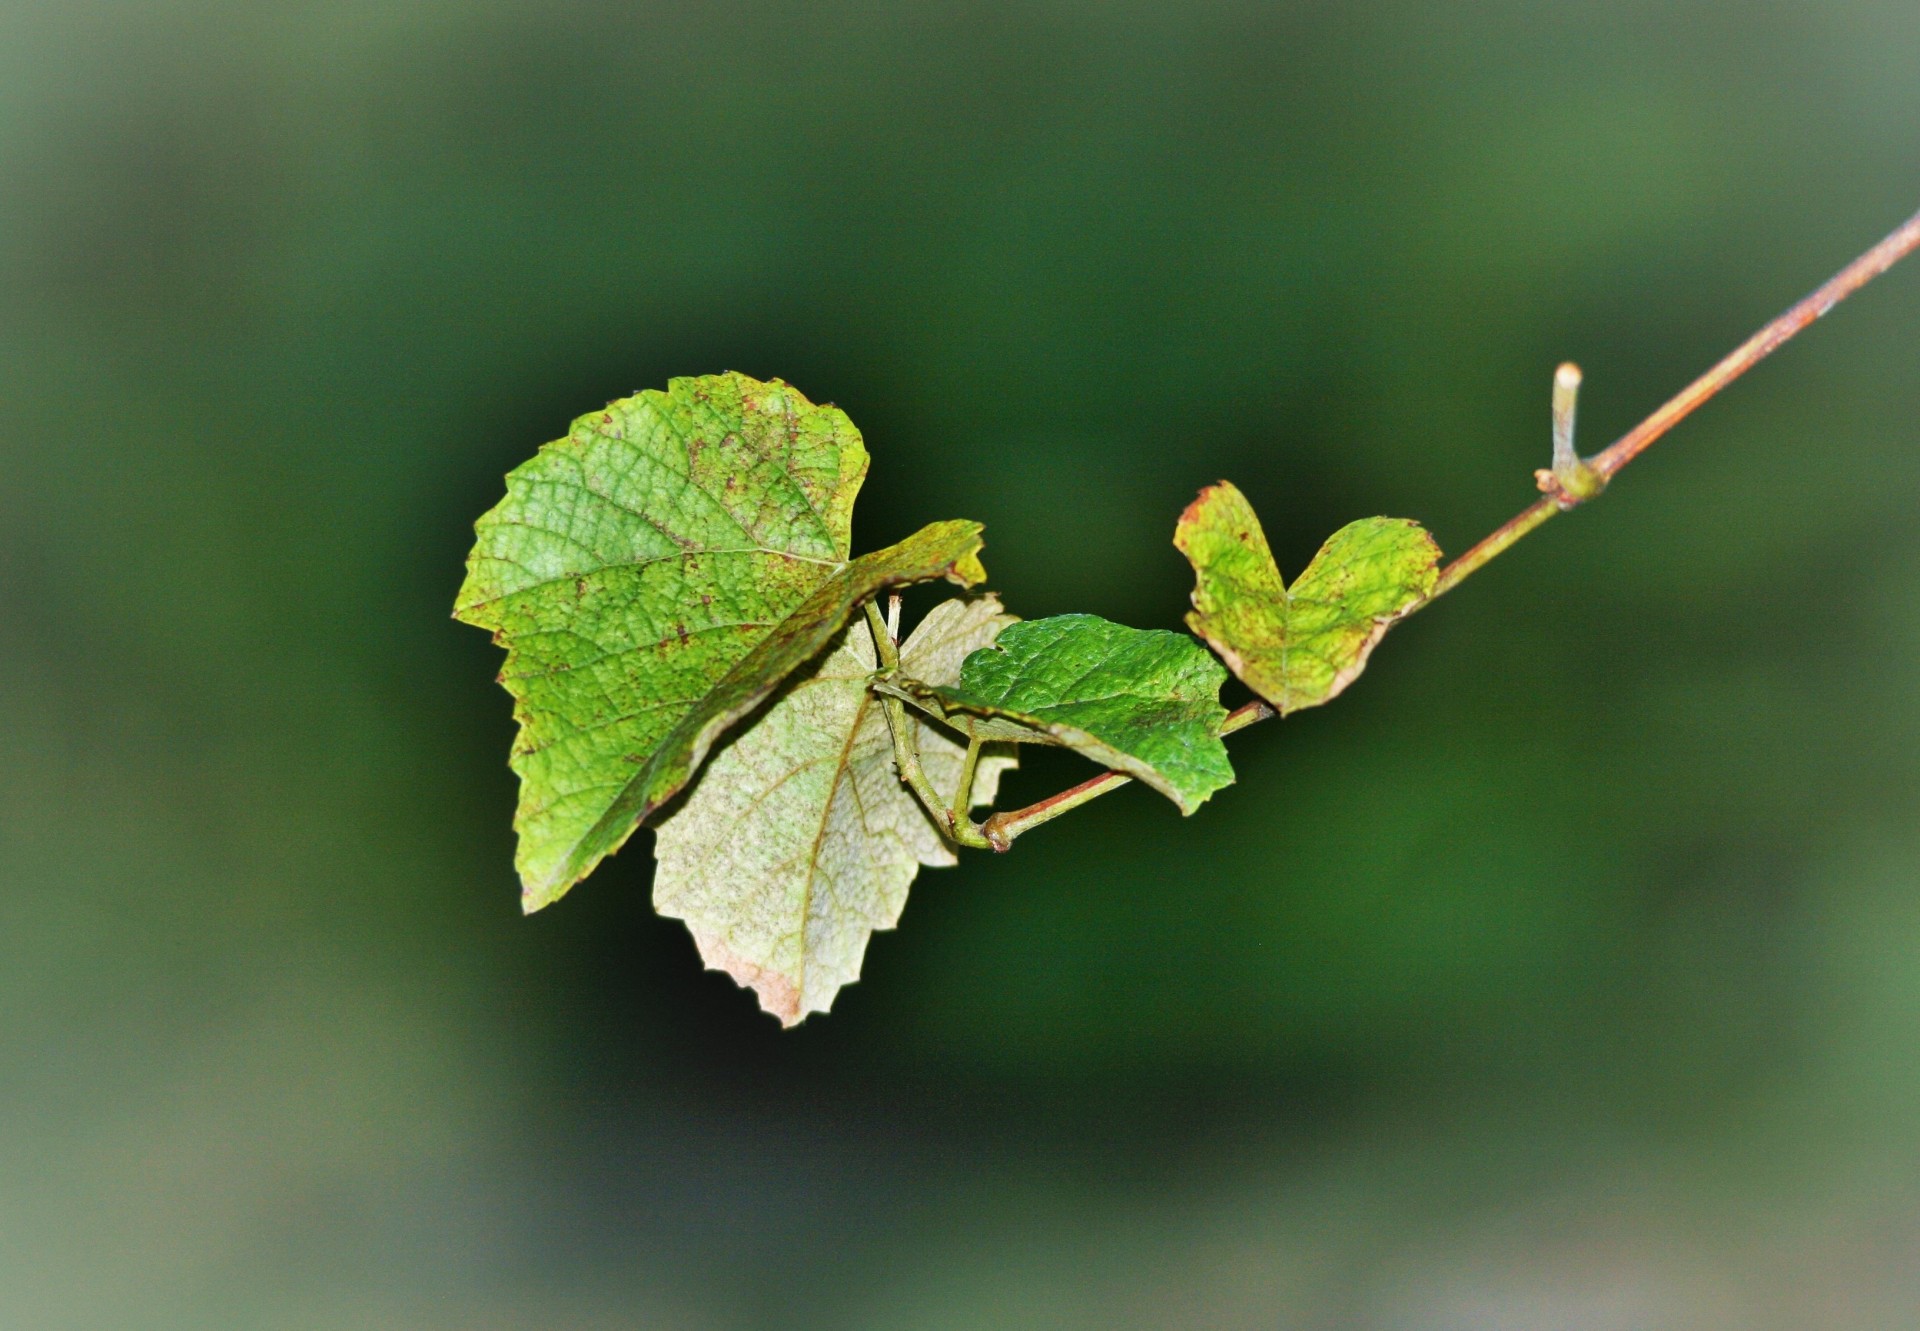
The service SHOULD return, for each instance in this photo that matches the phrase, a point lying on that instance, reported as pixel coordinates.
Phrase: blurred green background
(1565, 974)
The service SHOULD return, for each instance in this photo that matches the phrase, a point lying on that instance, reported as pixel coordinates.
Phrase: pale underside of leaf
(799, 840)
(1144, 702)
(1301, 646)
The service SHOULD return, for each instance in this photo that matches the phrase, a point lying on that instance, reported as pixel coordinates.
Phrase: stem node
(1570, 482)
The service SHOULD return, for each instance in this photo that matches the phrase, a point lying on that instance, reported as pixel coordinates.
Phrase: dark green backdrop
(1565, 973)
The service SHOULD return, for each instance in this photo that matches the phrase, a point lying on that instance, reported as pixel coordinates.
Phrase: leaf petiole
(906, 753)
(884, 641)
(962, 807)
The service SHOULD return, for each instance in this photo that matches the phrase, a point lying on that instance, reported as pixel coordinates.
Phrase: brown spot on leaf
(1190, 515)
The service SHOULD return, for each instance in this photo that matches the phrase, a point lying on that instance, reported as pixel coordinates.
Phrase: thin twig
(1897, 246)
(1489, 546)
(1002, 828)
(1903, 240)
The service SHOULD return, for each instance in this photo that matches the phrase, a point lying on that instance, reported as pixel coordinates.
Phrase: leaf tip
(536, 895)
(779, 995)
(968, 571)
(1195, 513)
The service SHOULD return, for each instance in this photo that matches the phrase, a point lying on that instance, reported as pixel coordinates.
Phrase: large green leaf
(653, 576)
(1144, 702)
(799, 840)
(1299, 646)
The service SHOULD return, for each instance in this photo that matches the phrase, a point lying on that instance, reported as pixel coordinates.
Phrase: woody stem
(1572, 481)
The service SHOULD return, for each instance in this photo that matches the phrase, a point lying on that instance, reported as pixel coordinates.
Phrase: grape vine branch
(692, 644)
(1570, 482)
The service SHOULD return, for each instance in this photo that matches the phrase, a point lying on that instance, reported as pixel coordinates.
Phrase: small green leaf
(653, 576)
(1300, 646)
(799, 840)
(1144, 702)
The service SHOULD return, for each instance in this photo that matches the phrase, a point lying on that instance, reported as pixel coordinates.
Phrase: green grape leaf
(1299, 646)
(654, 576)
(799, 840)
(1144, 702)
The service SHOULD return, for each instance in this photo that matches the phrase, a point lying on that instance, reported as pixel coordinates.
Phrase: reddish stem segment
(1002, 828)
(1897, 246)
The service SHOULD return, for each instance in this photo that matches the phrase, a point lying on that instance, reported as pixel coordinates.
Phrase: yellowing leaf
(654, 576)
(1300, 646)
(799, 840)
